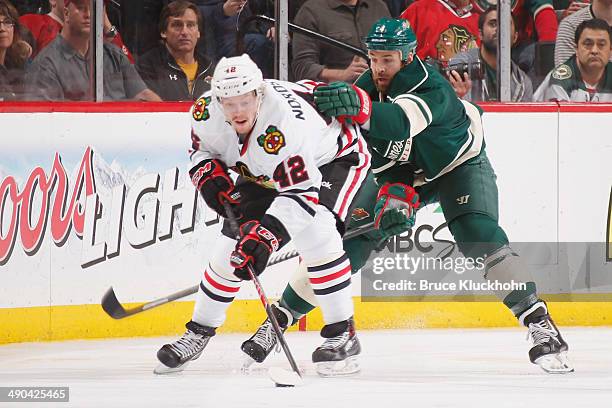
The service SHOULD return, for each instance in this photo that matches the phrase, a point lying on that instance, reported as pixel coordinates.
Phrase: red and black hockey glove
(256, 243)
(214, 183)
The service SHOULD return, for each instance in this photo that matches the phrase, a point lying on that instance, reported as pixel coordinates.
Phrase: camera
(475, 70)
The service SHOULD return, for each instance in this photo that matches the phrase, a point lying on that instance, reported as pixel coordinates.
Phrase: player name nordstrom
(465, 285)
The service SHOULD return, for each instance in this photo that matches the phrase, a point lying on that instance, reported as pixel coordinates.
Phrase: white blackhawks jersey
(284, 150)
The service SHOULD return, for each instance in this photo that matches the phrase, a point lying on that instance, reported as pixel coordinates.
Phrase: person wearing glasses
(14, 53)
(60, 72)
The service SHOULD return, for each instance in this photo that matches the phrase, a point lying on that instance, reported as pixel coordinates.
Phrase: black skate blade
(284, 378)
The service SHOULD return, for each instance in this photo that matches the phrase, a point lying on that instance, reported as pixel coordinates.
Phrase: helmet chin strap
(260, 97)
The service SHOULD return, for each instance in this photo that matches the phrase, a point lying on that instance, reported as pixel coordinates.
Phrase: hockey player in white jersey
(282, 149)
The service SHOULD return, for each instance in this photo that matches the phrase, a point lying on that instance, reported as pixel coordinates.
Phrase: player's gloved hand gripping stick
(212, 180)
(395, 209)
(255, 245)
(287, 380)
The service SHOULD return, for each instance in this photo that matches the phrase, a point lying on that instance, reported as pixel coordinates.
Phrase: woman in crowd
(14, 53)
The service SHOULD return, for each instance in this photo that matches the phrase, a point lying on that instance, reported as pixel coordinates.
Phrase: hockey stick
(313, 34)
(264, 299)
(115, 309)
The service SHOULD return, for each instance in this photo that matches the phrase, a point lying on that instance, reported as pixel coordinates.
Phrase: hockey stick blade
(115, 309)
(284, 378)
(111, 305)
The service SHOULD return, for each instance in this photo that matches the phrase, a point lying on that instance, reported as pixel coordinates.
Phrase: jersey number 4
(290, 172)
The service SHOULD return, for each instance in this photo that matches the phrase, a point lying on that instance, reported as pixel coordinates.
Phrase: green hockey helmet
(390, 34)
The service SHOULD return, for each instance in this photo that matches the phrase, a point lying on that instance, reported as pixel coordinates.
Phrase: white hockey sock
(331, 283)
(214, 297)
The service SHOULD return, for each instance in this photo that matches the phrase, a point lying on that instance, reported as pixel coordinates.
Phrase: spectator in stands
(572, 7)
(174, 69)
(586, 76)
(536, 22)
(345, 20)
(256, 38)
(222, 22)
(14, 53)
(45, 27)
(443, 28)
(61, 70)
(565, 45)
(485, 88)
(139, 24)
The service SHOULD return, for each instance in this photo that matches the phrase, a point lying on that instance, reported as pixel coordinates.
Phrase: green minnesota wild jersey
(565, 83)
(420, 123)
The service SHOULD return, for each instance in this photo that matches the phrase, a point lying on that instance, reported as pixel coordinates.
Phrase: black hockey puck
(284, 385)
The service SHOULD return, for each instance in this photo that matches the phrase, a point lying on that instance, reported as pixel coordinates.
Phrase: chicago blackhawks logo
(243, 170)
(200, 109)
(272, 141)
(453, 40)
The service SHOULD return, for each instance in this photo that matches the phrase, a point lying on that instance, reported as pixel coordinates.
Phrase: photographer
(474, 76)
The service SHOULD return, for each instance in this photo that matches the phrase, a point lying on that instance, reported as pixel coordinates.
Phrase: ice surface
(400, 368)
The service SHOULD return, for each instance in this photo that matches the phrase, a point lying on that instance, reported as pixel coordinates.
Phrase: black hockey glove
(214, 183)
(256, 243)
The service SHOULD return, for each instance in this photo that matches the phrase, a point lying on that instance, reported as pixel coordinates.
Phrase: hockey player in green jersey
(427, 145)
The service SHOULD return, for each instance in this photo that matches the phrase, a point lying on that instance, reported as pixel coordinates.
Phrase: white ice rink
(400, 368)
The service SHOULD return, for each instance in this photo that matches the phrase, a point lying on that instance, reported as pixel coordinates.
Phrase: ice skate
(549, 350)
(175, 356)
(338, 353)
(261, 344)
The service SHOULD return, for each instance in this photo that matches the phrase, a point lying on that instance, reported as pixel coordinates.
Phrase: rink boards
(94, 196)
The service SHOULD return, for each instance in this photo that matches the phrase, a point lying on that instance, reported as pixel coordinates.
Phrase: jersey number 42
(290, 172)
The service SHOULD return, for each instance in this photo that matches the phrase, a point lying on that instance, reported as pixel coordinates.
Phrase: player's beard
(382, 87)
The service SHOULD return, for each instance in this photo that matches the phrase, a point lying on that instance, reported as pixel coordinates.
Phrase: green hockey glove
(344, 101)
(395, 209)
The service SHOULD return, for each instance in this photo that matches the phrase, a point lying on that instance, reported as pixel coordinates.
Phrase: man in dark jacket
(344, 20)
(174, 69)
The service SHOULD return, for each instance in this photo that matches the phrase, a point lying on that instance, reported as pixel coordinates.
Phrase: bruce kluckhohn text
(462, 285)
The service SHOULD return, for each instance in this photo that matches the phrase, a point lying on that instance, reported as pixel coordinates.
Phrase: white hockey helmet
(236, 76)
